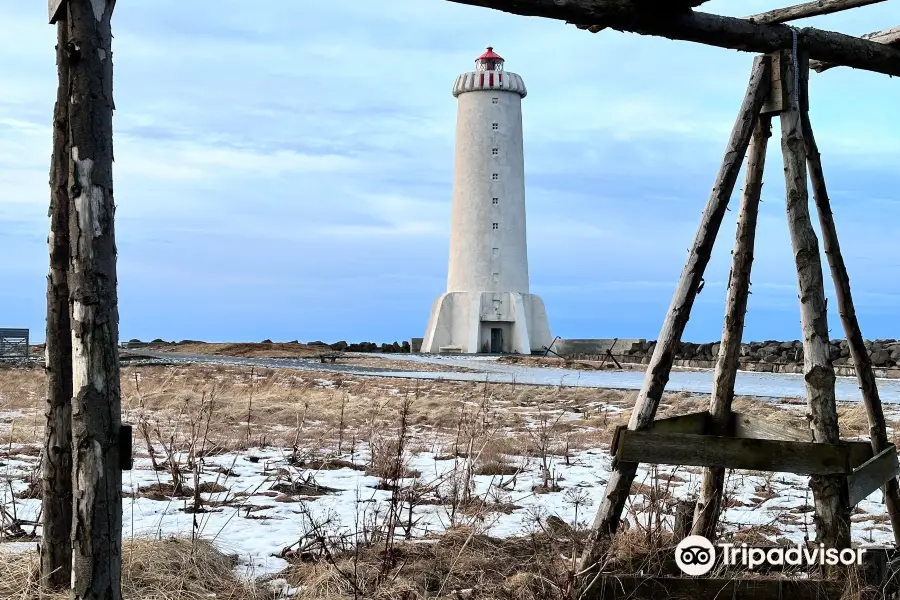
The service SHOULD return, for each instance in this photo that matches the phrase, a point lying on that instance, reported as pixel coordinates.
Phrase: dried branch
(808, 9)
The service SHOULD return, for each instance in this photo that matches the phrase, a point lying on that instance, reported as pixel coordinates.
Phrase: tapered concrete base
(473, 322)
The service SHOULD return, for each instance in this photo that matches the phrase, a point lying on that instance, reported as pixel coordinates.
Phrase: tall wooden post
(607, 519)
(858, 353)
(708, 506)
(56, 463)
(832, 515)
(96, 407)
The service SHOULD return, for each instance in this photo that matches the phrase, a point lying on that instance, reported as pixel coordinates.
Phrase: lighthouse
(487, 306)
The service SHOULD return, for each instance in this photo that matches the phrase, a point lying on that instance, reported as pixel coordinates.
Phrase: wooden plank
(750, 426)
(55, 9)
(709, 29)
(808, 9)
(634, 587)
(804, 458)
(872, 475)
(695, 422)
(860, 453)
(776, 100)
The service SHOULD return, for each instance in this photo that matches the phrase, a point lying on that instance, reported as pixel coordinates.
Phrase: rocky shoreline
(770, 356)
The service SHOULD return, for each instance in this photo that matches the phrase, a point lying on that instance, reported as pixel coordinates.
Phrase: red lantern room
(489, 61)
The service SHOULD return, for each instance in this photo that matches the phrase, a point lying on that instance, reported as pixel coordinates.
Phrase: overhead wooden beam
(808, 9)
(890, 37)
(704, 28)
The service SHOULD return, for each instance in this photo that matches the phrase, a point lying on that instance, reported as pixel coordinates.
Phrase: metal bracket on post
(56, 8)
(126, 456)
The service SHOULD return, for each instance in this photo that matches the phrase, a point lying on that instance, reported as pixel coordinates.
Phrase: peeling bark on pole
(607, 519)
(832, 517)
(708, 507)
(96, 407)
(860, 356)
(56, 463)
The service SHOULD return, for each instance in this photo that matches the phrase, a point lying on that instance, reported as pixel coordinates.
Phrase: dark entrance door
(496, 339)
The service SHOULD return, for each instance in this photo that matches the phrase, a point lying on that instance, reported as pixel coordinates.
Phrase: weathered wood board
(56, 8)
(804, 458)
(872, 475)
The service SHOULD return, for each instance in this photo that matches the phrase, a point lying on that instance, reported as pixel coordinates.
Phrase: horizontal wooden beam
(872, 474)
(704, 28)
(890, 37)
(804, 458)
(808, 9)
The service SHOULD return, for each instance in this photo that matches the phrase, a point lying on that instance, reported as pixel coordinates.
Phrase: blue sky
(286, 173)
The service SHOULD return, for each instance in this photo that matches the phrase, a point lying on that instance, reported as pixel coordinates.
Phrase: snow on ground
(254, 521)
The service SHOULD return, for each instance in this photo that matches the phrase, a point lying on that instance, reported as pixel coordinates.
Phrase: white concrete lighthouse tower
(487, 307)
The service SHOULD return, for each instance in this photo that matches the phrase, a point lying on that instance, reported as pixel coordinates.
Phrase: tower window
(495, 176)
(495, 200)
(495, 251)
(495, 226)
(495, 277)
(495, 100)
(495, 151)
(495, 126)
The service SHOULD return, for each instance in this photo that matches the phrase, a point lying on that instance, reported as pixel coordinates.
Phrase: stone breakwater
(769, 356)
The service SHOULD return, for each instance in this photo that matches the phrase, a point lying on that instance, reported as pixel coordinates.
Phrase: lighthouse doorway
(496, 340)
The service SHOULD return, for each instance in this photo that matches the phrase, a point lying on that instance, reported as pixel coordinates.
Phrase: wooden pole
(705, 28)
(56, 463)
(890, 37)
(832, 516)
(607, 519)
(860, 356)
(708, 506)
(96, 409)
(808, 9)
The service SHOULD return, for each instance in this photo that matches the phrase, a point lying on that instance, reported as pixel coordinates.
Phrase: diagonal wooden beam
(890, 37)
(713, 30)
(808, 9)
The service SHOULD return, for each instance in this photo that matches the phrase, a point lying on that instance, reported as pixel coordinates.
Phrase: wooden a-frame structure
(842, 473)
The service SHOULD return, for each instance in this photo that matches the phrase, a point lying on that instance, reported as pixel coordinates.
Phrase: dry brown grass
(244, 349)
(524, 568)
(289, 406)
(151, 570)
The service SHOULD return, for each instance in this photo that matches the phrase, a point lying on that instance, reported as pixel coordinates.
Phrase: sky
(284, 169)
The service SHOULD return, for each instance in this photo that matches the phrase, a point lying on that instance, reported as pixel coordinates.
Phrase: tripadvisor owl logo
(695, 555)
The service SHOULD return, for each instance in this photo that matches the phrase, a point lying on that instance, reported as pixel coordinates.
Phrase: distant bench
(331, 356)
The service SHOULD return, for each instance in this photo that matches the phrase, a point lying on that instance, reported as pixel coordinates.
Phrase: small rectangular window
(495, 126)
(495, 151)
(495, 226)
(495, 200)
(495, 251)
(495, 176)
(496, 277)
(495, 100)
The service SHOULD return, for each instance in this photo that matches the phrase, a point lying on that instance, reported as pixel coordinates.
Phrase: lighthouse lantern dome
(489, 61)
